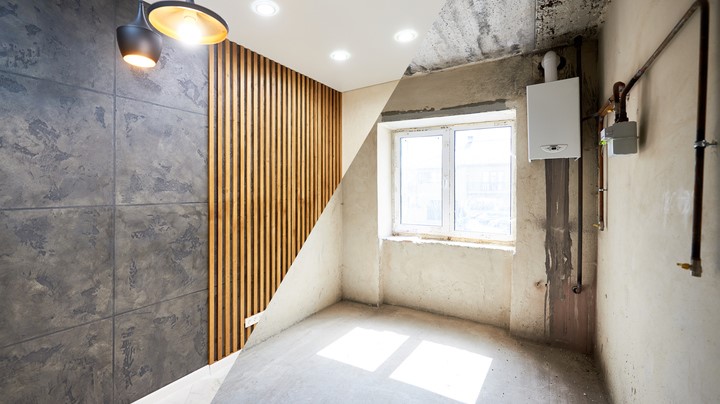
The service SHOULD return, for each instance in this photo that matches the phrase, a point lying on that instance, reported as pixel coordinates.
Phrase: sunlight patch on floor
(451, 372)
(363, 348)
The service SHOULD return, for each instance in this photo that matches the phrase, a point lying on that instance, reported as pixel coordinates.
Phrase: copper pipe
(622, 110)
(578, 65)
(700, 142)
(600, 175)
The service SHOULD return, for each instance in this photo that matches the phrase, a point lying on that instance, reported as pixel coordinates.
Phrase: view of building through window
(455, 181)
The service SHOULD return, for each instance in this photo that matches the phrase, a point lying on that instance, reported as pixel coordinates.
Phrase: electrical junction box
(554, 120)
(620, 138)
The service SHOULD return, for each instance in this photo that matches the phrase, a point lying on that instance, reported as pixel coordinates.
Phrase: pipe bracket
(704, 143)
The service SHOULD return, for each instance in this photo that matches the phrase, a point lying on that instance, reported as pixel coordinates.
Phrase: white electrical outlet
(254, 319)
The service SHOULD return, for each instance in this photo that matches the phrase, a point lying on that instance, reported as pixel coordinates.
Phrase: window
(455, 182)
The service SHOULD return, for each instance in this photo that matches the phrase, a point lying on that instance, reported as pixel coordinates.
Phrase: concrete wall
(657, 325)
(361, 247)
(361, 109)
(450, 279)
(103, 208)
(314, 279)
(460, 280)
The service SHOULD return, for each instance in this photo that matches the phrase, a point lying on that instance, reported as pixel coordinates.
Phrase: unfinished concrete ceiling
(469, 31)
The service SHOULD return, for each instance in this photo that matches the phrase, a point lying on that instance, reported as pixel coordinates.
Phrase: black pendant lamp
(139, 44)
(188, 22)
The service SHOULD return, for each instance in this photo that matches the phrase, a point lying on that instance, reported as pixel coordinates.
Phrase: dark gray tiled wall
(161, 253)
(55, 144)
(56, 270)
(103, 207)
(159, 344)
(160, 158)
(72, 366)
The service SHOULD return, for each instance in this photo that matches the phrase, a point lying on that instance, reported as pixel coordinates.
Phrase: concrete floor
(351, 353)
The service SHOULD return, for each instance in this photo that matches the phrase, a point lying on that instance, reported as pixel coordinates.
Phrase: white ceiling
(304, 33)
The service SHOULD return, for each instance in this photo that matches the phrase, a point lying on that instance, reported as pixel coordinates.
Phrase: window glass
(483, 180)
(421, 180)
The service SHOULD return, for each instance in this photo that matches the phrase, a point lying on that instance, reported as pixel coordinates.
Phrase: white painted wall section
(658, 327)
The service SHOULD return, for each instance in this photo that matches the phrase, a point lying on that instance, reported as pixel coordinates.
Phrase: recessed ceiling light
(406, 35)
(340, 55)
(265, 8)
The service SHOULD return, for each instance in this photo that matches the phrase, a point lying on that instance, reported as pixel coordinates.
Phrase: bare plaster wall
(313, 281)
(457, 280)
(492, 286)
(361, 109)
(485, 87)
(361, 246)
(657, 326)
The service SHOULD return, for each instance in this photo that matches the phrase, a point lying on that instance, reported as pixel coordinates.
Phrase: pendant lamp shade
(188, 22)
(139, 44)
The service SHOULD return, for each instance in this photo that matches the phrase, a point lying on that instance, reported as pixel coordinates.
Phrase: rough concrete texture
(657, 325)
(80, 131)
(159, 344)
(469, 31)
(160, 157)
(71, 366)
(352, 353)
(161, 253)
(62, 259)
(313, 281)
(492, 86)
(34, 33)
(463, 280)
(55, 144)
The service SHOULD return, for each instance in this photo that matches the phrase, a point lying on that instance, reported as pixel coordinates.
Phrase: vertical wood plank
(248, 191)
(226, 199)
(274, 138)
(256, 186)
(211, 204)
(242, 225)
(220, 202)
(235, 198)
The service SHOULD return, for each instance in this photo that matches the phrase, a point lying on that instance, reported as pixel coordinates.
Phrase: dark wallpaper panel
(67, 41)
(103, 207)
(160, 157)
(159, 344)
(73, 366)
(56, 270)
(55, 144)
(161, 253)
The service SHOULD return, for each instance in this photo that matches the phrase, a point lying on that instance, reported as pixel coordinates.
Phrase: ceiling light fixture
(340, 55)
(139, 44)
(265, 8)
(406, 35)
(188, 22)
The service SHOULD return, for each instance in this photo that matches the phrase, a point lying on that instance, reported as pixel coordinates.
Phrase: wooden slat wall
(274, 162)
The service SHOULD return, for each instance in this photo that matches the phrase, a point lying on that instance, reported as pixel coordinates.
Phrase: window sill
(465, 244)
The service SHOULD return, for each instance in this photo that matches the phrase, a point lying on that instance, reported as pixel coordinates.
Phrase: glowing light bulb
(406, 35)
(265, 8)
(139, 60)
(189, 31)
(340, 55)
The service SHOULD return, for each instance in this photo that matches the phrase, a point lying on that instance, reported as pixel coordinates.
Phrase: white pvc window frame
(446, 231)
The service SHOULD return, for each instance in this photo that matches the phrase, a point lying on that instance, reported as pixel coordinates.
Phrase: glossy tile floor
(350, 353)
